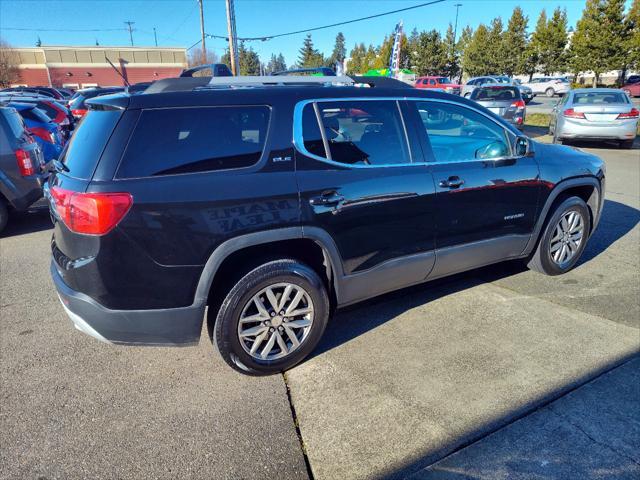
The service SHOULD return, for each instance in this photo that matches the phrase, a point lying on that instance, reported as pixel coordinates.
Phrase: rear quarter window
(185, 140)
(88, 141)
(15, 123)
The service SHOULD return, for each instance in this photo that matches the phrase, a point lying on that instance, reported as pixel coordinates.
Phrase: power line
(64, 29)
(346, 22)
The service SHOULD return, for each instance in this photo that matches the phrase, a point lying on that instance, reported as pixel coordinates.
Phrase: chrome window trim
(298, 141)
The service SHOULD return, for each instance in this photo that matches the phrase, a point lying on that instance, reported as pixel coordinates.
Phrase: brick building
(78, 67)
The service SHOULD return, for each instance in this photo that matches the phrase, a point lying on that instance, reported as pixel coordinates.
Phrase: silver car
(595, 114)
(475, 82)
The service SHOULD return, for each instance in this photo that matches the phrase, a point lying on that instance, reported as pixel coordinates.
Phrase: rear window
(496, 94)
(14, 120)
(186, 140)
(49, 110)
(599, 98)
(88, 142)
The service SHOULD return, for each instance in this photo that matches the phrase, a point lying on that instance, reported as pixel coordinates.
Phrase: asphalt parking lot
(495, 373)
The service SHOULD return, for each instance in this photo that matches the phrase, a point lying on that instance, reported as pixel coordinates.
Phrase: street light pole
(455, 29)
(155, 36)
(204, 46)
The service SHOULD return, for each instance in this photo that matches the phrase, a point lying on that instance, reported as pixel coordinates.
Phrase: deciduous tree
(9, 61)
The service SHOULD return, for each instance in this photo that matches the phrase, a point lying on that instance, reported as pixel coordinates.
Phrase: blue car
(45, 131)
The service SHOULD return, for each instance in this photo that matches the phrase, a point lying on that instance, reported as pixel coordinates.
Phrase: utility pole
(233, 41)
(129, 24)
(204, 46)
(155, 36)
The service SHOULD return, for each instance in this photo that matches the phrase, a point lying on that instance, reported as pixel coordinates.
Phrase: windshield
(496, 94)
(599, 98)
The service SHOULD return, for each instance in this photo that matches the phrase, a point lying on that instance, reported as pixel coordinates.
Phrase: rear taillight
(571, 113)
(634, 113)
(43, 133)
(90, 213)
(518, 104)
(25, 165)
(79, 112)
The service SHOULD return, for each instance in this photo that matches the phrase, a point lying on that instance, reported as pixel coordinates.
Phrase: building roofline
(95, 47)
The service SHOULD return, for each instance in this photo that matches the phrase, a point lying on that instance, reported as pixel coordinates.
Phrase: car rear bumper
(623, 131)
(170, 326)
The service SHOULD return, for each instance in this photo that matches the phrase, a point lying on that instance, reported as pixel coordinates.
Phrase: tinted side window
(458, 134)
(312, 136)
(364, 132)
(185, 140)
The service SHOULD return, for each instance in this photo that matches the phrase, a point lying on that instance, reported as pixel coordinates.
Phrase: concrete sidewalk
(591, 433)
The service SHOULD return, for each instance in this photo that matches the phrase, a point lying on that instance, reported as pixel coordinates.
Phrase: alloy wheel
(276, 321)
(567, 238)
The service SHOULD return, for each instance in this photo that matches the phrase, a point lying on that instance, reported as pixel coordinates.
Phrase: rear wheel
(272, 318)
(626, 144)
(4, 214)
(550, 92)
(563, 239)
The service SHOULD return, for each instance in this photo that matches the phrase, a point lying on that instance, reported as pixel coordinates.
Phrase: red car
(440, 83)
(632, 86)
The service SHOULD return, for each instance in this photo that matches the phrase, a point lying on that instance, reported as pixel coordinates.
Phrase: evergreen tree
(308, 56)
(476, 55)
(370, 58)
(461, 45)
(633, 35)
(431, 58)
(534, 48)
(339, 51)
(597, 45)
(452, 67)
(514, 44)
(495, 56)
(552, 53)
(248, 59)
(276, 63)
(356, 59)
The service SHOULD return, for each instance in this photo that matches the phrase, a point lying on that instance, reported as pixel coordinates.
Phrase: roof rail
(270, 80)
(380, 82)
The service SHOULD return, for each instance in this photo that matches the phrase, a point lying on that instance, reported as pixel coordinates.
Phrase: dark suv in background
(22, 167)
(274, 200)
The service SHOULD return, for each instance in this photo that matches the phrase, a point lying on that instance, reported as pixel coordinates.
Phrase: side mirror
(497, 149)
(522, 146)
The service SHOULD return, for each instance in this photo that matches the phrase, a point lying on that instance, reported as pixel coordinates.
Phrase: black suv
(274, 200)
(22, 168)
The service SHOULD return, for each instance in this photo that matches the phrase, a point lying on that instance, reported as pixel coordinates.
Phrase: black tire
(626, 144)
(541, 260)
(4, 214)
(549, 92)
(225, 332)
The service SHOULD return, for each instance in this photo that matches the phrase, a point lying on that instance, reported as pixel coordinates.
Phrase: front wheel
(550, 92)
(272, 318)
(563, 239)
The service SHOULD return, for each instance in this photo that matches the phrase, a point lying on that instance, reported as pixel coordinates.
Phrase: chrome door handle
(451, 182)
(326, 199)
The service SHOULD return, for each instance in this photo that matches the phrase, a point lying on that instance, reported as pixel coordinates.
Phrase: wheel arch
(588, 189)
(306, 243)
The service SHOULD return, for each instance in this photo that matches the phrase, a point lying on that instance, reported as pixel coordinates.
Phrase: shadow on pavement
(30, 221)
(617, 220)
(587, 430)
